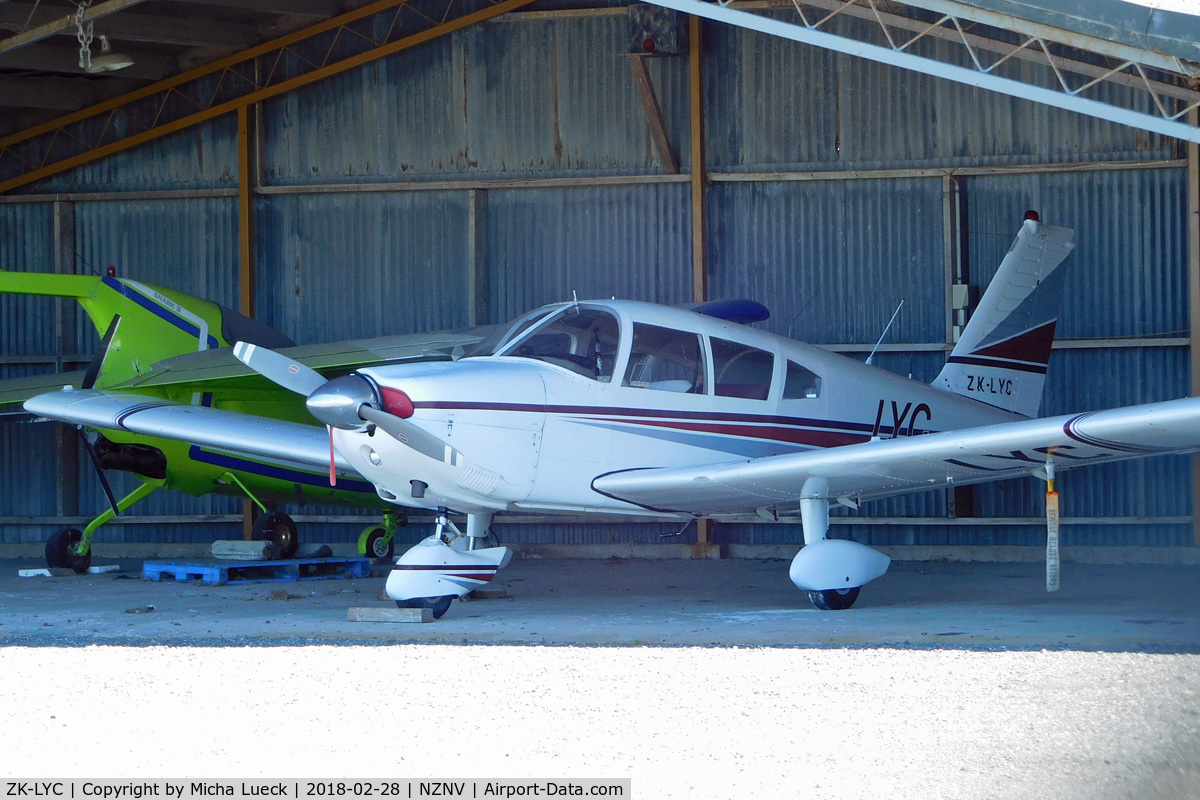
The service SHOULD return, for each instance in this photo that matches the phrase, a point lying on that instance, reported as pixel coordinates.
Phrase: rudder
(1002, 355)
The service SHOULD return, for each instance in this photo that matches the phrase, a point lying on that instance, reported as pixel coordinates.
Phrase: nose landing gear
(446, 565)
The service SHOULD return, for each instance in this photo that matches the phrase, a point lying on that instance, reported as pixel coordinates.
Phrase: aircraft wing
(220, 367)
(15, 391)
(288, 443)
(894, 466)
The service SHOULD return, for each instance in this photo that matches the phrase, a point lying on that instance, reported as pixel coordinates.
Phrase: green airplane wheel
(279, 528)
(60, 551)
(379, 545)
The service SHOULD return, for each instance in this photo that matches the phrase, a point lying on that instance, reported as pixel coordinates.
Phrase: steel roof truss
(1171, 97)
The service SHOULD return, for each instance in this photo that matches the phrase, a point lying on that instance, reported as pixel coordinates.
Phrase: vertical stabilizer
(139, 324)
(1001, 357)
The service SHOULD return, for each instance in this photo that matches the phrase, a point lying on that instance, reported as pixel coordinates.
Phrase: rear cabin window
(801, 383)
(665, 360)
(741, 371)
(582, 340)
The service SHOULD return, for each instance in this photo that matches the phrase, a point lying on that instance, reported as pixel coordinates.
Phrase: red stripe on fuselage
(812, 438)
(649, 415)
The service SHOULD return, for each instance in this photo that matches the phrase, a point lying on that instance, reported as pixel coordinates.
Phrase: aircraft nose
(336, 403)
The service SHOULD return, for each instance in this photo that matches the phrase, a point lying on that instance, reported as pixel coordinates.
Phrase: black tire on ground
(834, 599)
(377, 548)
(438, 605)
(60, 551)
(279, 528)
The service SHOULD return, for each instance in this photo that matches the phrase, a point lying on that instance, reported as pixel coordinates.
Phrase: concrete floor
(947, 680)
(1127, 608)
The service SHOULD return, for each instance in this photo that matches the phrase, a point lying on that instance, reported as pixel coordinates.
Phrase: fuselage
(575, 391)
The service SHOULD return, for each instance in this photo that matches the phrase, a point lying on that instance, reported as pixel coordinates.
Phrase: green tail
(140, 324)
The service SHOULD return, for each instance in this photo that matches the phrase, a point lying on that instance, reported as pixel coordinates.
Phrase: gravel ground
(684, 722)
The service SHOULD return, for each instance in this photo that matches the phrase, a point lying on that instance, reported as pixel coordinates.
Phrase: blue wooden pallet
(219, 573)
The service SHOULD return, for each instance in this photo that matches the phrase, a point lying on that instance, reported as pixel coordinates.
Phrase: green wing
(219, 370)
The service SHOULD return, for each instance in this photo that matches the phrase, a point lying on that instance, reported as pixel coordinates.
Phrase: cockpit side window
(801, 383)
(740, 370)
(666, 360)
(583, 340)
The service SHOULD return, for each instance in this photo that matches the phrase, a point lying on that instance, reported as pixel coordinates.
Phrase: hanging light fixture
(109, 60)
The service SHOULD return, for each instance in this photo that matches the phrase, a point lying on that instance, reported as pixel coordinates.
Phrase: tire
(377, 547)
(834, 599)
(438, 605)
(279, 528)
(60, 551)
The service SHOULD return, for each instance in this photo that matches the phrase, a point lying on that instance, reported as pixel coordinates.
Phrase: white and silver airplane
(630, 408)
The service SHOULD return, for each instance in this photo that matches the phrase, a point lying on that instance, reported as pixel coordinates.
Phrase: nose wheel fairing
(446, 564)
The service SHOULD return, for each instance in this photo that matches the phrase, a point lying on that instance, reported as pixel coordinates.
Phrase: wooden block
(103, 568)
(377, 614)
(241, 550)
(383, 595)
(488, 594)
(34, 573)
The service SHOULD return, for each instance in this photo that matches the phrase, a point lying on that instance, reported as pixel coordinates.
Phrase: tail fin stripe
(1032, 346)
(162, 313)
(1003, 363)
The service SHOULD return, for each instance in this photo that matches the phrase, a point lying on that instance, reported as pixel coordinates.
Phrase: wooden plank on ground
(385, 614)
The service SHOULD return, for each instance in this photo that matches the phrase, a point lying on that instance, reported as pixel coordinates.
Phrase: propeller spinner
(347, 402)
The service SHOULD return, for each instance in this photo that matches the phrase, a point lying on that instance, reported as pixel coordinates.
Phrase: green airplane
(167, 344)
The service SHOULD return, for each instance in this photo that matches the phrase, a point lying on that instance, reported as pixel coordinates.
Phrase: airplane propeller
(279, 368)
(347, 402)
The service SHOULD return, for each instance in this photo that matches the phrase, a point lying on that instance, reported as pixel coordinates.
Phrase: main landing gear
(72, 548)
(379, 541)
(446, 565)
(832, 570)
(280, 529)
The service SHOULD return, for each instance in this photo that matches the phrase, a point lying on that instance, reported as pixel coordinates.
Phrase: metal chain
(84, 33)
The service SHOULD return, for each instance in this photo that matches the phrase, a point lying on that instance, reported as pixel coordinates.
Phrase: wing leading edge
(894, 466)
(288, 443)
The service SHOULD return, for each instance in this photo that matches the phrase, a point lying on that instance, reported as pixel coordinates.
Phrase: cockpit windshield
(504, 334)
(583, 340)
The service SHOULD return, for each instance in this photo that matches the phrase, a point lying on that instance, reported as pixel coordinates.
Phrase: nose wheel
(437, 605)
(834, 599)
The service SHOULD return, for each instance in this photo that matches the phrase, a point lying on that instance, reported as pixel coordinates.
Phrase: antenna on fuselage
(885, 331)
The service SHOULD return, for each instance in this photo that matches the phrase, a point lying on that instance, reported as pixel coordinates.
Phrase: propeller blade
(279, 368)
(332, 471)
(418, 439)
(91, 451)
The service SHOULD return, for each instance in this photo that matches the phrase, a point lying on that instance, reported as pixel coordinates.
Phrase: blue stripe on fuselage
(159, 311)
(751, 448)
(197, 453)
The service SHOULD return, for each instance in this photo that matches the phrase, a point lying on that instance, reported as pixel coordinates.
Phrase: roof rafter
(63, 23)
(1131, 66)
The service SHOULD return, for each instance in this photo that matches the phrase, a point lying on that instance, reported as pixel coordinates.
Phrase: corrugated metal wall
(555, 98)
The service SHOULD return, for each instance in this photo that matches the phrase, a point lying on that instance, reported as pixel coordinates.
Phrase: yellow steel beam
(64, 23)
(199, 72)
(247, 99)
(1193, 195)
(699, 250)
